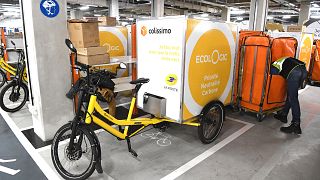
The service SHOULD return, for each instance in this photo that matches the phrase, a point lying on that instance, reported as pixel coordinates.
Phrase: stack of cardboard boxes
(107, 21)
(84, 35)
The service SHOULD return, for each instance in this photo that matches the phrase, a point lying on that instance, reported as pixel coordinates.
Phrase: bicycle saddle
(140, 81)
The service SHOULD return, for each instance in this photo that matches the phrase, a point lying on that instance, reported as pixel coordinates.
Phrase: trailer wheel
(211, 121)
(260, 117)
(235, 108)
(312, 83)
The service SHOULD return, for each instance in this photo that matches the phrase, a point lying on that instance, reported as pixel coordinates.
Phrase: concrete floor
(261, 152)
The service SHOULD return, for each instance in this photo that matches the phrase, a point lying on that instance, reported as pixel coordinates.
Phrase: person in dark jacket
(294, 71)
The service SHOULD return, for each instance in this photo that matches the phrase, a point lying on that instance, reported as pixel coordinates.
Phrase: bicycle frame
(94, 106)
(13, 71)
(7, 67)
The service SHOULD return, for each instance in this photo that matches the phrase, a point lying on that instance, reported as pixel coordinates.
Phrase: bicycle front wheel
(3, 78)
(77, 162)
(13, 97)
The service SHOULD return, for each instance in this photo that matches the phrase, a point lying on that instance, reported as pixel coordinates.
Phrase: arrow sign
(6, 170)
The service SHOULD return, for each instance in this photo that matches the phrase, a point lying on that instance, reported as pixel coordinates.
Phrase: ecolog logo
(111, 48)
(213, 58)
(145, 31)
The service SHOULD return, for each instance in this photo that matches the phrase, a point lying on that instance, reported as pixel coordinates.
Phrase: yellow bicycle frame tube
(144, 122)
(8, 68)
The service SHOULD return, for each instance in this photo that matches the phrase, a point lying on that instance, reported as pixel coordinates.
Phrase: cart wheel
(241, 112)
(312, 83)
(211, 121)
(236, 109)
(260, 117)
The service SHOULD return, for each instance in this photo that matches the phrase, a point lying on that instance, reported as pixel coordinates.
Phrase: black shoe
(293, 128)
(280, 117)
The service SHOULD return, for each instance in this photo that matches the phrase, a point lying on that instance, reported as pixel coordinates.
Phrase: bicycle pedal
(163, 128)
(133, 153)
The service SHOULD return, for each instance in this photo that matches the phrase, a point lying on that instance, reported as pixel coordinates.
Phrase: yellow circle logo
(209, 67)
(171, 79)
(305, 51)
(112, 43)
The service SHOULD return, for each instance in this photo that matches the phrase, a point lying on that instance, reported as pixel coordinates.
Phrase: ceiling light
(315, 8)
(239, 18)
(204, 15)
(269, 17)
(315, 5)
(290, 4)
(11, 9)
(286, 17)
(97, 15)
(11, 14)
(124, 23)
(315, 16)
(238, 12)
(130, 19)
(234, 9)
(84, 8)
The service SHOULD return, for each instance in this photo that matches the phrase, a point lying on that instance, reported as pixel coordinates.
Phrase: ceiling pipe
(213, 4)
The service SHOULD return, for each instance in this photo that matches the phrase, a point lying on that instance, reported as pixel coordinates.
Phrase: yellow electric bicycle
(76, 151)
(7, 68)
(15, 94)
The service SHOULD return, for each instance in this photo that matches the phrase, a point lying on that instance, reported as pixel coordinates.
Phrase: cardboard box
(296, 28)
(94, 59)
(83, 33)
(274, 27)
(91, 18)
(107, 21)
(92, 51)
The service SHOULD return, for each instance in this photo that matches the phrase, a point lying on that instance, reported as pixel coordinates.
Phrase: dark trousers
(294, 82)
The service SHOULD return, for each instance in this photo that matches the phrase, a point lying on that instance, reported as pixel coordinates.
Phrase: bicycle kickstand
(133, 153)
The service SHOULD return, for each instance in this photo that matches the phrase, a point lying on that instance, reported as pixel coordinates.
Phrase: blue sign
(49, 8)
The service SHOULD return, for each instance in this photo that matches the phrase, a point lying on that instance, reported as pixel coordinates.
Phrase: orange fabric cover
(242, 36)
(256, 48)
(253, 81)
(315, 76)
(281, 47)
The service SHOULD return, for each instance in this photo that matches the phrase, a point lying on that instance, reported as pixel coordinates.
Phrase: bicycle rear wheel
(12, 99)
(76, 162)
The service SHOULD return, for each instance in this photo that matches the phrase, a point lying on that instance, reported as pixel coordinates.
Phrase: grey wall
(49, 68)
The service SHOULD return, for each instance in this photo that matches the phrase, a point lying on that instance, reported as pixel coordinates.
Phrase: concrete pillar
(76, 14)
(258, 14)
(114, 9)
(49, 67)
(225, 14)
(304, 13)
(157, 8)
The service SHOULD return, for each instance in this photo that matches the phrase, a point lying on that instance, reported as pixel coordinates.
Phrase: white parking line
(178, 172)
(10, 171)
(26, 128)
(45, 168)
